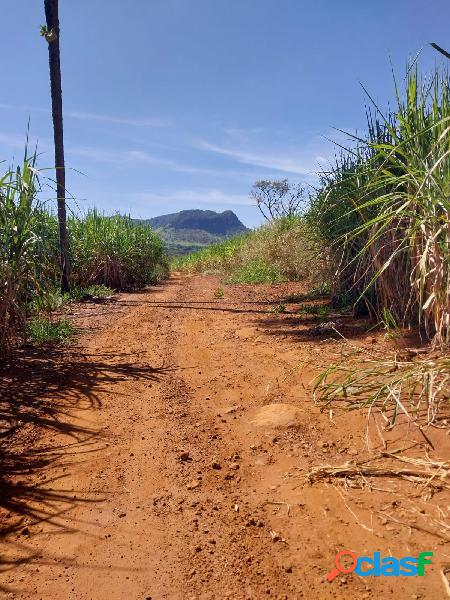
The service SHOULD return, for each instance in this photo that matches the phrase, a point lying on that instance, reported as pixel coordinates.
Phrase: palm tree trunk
(52, 18)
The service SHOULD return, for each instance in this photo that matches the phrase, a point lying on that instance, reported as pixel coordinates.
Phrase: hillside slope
(189, 230)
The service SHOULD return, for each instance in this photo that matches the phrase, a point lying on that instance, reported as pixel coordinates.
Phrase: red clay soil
(141, 468)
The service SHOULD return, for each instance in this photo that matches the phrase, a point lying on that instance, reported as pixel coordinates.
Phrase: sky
(179, 104)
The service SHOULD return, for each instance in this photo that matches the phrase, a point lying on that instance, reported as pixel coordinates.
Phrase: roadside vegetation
(282, 249)
(384, 207)
(106, 253)
(376, 232)
(376, 229)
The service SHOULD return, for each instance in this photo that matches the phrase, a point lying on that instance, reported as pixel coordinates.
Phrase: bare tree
(278, 198)
(51, 32)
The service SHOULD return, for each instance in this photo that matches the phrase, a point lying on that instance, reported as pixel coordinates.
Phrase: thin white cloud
(88, 116)
(213, 197)
(122, 157)
(12, 141)
(242, 136)
(269, 161)
(141, 122)
(117, 157)
(18, 141)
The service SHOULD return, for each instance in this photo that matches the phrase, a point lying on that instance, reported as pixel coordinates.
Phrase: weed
(389, 323)
(42, 331)
(322, 290)
(314, 309)
(49, 301)
(219, 293)
(94, 291)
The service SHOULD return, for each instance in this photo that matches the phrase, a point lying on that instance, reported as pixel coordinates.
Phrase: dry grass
(417, 388)
(424, 473)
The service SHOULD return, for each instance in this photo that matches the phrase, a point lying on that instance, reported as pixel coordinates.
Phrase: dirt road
(161, 477)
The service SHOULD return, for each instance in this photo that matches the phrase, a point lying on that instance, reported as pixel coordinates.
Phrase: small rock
(352, 451)
(193, 485)
(254, 522)
(234, 466)
(25, 531)
(276, 416)
(184, 457)
(216, 465)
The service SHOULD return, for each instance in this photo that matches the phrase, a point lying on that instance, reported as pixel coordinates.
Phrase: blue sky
(176, 104)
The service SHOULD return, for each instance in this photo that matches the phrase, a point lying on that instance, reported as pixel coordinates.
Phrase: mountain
(189, 230)
(222, 224)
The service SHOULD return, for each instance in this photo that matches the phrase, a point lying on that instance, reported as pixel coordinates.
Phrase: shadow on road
(51, 390)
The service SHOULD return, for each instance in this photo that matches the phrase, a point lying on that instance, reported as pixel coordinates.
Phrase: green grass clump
(48, 301)
(42, 330)
(314, 309)
(255, 272)
(96, 291)
(322, 290)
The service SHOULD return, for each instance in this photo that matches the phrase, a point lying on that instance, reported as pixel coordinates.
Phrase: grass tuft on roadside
(42, 330)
